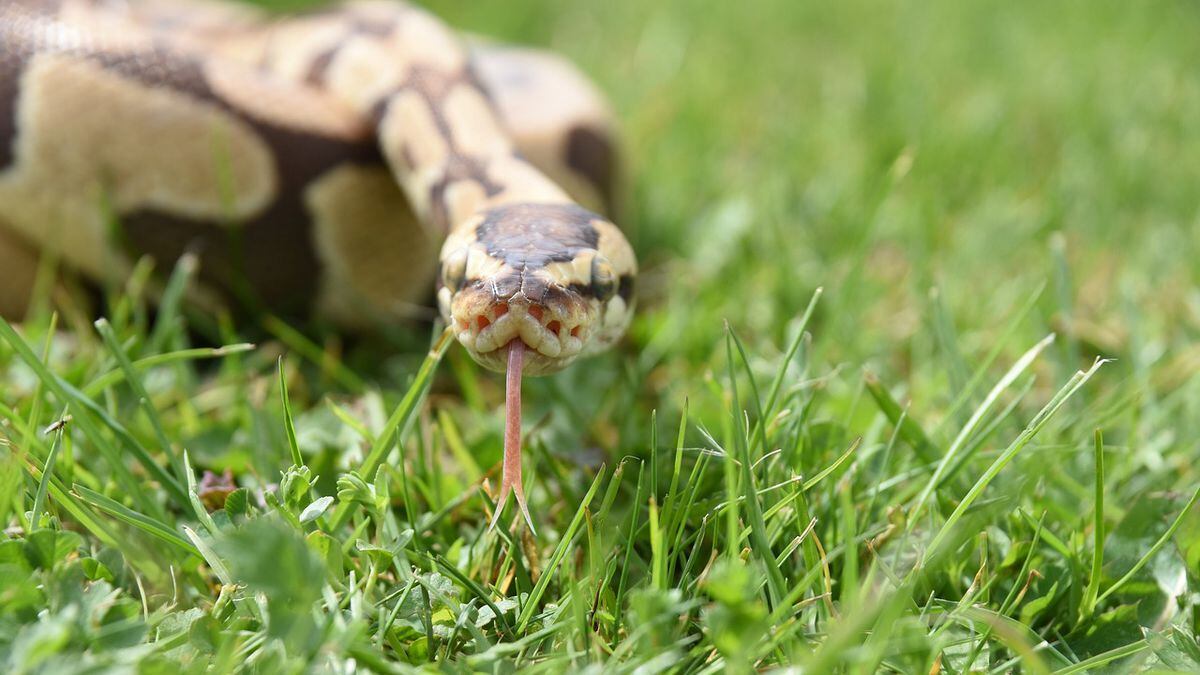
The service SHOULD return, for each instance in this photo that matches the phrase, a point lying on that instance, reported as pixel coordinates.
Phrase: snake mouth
(553, 337)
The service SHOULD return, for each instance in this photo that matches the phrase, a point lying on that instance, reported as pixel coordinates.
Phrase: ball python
(352, 163)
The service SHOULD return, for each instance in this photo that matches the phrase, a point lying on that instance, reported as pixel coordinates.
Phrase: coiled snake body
(316, 164)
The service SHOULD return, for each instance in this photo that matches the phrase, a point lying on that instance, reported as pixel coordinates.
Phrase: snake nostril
(482, 322)
(554, 327)
(575, 331)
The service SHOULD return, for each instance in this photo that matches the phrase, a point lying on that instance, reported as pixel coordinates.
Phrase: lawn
(912, 388)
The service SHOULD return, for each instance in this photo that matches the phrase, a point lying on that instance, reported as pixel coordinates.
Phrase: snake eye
(604, 279)
(454, 270)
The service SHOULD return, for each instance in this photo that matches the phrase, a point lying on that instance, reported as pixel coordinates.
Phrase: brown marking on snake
(10, 70)
(625, 287)
(420, 136)
(319, 67)
(590, 153)
(458, 168)
(15, 50)
(522, 241)
(378, 27)
(375, 27)
(433, 85)
(406, 156)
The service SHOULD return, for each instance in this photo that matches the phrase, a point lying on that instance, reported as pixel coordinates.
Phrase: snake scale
(317, 164)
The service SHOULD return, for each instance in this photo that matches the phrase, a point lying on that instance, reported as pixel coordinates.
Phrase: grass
(904, 474)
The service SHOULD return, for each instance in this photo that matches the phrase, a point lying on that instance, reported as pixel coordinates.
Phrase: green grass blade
(1100, 660)
(39, 500)
(400, 418)
(35, 411)
(76, 508)
(80, 407)
(133, 379)
(1022, 364)
(1158, 545)
(302, 345)
(781, 373)
(168, 321)
(760, 542)
(117, 375)
(198, 509)
(288, 424)
(560, 551)
(910, 431)
(1091, 592)
(998, 345)
(142, 522)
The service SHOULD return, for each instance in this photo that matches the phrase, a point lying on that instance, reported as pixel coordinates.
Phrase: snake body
(315, 164)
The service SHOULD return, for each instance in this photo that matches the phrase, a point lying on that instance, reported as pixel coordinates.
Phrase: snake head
(558, 277)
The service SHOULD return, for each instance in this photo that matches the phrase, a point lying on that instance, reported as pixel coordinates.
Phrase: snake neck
(437, 127)
(444, 141)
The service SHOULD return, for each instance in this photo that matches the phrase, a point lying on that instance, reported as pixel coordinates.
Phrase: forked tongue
(510, 480)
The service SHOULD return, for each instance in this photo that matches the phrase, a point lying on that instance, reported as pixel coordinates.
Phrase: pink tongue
(511, 478)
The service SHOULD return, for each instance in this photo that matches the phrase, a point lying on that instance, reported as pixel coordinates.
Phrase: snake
(356, 162)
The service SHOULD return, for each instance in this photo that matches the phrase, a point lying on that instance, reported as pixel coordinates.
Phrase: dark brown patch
(458, 168)
(379, 111)
(406, 156)
(373, 26)
(11, 64)
(591, 154)
(530, 236)
(625, 287)
(319, 68)
(434, 84)
(23, 26)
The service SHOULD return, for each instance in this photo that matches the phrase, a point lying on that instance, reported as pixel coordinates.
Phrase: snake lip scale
(547, 336)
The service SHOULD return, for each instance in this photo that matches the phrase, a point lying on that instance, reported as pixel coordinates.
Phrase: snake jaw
(554, 335)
